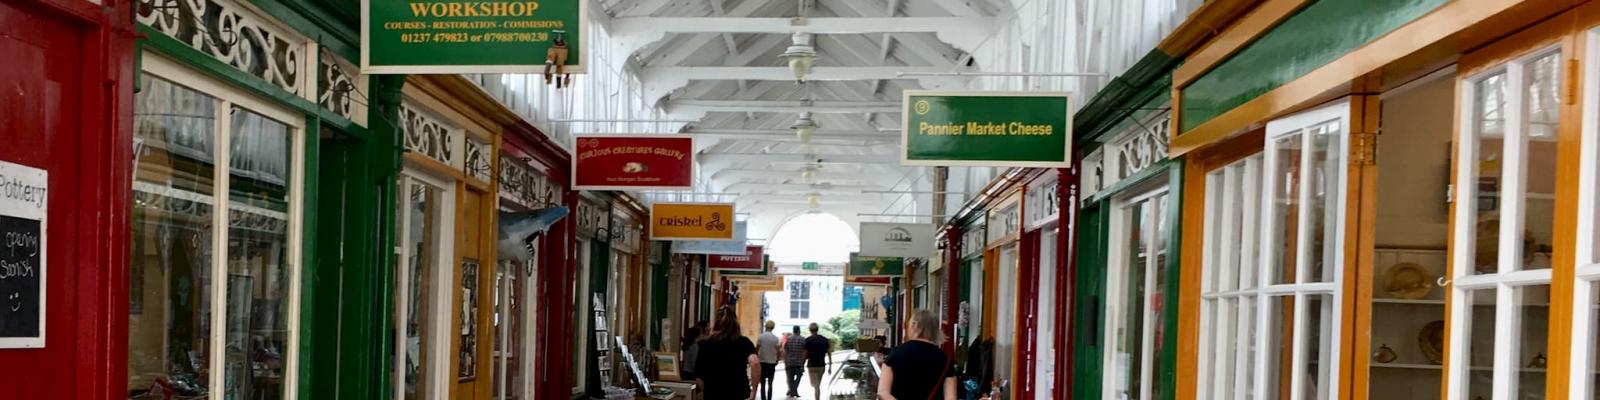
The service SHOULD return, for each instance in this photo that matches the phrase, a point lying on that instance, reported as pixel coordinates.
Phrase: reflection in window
(170, 276)
(258, 252)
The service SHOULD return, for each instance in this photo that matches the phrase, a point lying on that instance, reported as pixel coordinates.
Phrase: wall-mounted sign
(487, 36)
(986, 129)
(875, 266)
(633, 162)
(725, 247)
(751, 260)
(691, 221)
(23, 196)
(810, 266)
(896, 240)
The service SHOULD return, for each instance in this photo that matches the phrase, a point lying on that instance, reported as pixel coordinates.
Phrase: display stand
(602, 346)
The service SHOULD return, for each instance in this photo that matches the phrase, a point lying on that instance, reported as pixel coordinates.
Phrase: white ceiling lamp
(804, 127)
(801, 55)
(815, 200)
(809, 176)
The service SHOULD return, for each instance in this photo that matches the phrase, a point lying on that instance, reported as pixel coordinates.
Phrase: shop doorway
(1135, 277)
(424, 227)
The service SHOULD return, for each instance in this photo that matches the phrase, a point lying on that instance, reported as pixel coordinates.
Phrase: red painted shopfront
(66, 77)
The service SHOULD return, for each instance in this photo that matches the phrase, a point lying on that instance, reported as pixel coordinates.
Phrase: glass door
(1045, 359)
(1272, 301)
(514, 313)
(1134, 282)
(1505, 169)
(422, 254)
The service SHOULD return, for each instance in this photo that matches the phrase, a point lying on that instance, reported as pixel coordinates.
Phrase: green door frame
(1088, 320)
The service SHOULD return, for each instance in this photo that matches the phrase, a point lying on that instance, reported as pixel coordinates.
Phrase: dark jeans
(767, 372)
(796, 373)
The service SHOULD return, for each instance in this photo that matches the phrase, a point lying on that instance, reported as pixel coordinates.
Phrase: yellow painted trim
(1438, 25)
(1193, 231)
(1361, 220)
(1211, 18)
(1235, 38)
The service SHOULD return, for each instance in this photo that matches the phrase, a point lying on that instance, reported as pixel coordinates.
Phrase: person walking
(794, 360)
(819, 354)
(691, 350)
(727, 361)
(918, 369)
(768, 350)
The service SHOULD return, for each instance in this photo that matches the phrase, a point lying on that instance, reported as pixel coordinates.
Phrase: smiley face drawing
(15, 299)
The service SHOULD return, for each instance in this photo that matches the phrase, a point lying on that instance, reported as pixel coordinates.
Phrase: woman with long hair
(727, 361)
(918, 369)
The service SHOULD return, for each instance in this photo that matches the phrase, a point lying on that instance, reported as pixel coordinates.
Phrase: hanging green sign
(810, 266)
(476, 36)
(986, 129)
(875, 266)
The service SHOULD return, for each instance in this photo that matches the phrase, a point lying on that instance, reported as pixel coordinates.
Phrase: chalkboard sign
(23, 195)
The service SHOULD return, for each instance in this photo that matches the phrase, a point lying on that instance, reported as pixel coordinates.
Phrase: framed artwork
(667, 367)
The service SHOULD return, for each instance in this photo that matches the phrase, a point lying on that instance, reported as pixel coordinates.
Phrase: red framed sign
(633, 162)
(751, 260)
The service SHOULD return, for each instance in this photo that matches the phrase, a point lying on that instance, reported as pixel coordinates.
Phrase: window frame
(435, 375)
(1117, 281)
(227, 97)
(1506, 280)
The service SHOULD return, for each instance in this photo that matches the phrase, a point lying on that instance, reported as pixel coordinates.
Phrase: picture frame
(667, 367)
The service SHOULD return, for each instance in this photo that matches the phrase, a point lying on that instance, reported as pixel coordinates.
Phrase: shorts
(816, 375)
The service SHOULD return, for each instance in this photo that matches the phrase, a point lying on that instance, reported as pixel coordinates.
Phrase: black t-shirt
(817, 351)
(919, 370)
(724, 366)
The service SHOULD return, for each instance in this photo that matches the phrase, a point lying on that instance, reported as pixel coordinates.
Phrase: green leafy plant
(842, 330)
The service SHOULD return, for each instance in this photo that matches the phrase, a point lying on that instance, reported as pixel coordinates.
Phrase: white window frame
(1241, 181)
(226, 98)
(1045, 337)
(435, 378)
(807, 300)
(1507, 279)
(1116, 295)
(1581, 371)
(1255, 247)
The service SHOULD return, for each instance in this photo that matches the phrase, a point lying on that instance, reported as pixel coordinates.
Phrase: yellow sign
(691, 221)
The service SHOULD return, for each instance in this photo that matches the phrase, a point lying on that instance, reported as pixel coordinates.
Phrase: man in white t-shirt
(767, 349)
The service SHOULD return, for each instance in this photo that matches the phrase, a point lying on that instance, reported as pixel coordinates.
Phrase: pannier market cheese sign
(23, 196)
(472, 36)
(987, 129)
(633, 162)
(691, 221)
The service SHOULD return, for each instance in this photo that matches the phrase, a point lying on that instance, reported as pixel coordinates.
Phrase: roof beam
(678, 108)
(785, 134)
(659, 81)
(723, 158)
(660, 26)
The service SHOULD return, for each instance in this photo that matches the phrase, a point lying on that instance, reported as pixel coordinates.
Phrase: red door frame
(86, 344)
(1066, 277)
(557, 266)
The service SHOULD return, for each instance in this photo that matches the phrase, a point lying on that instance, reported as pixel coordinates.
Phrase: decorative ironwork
(1043, 202)
(591, 218)
(338, 84)
(427, 136)
(233, 34)
(1141, 147)
(1093, 169)
(477, 165)
(972, 239)
(1004, 222)
(524, 185)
